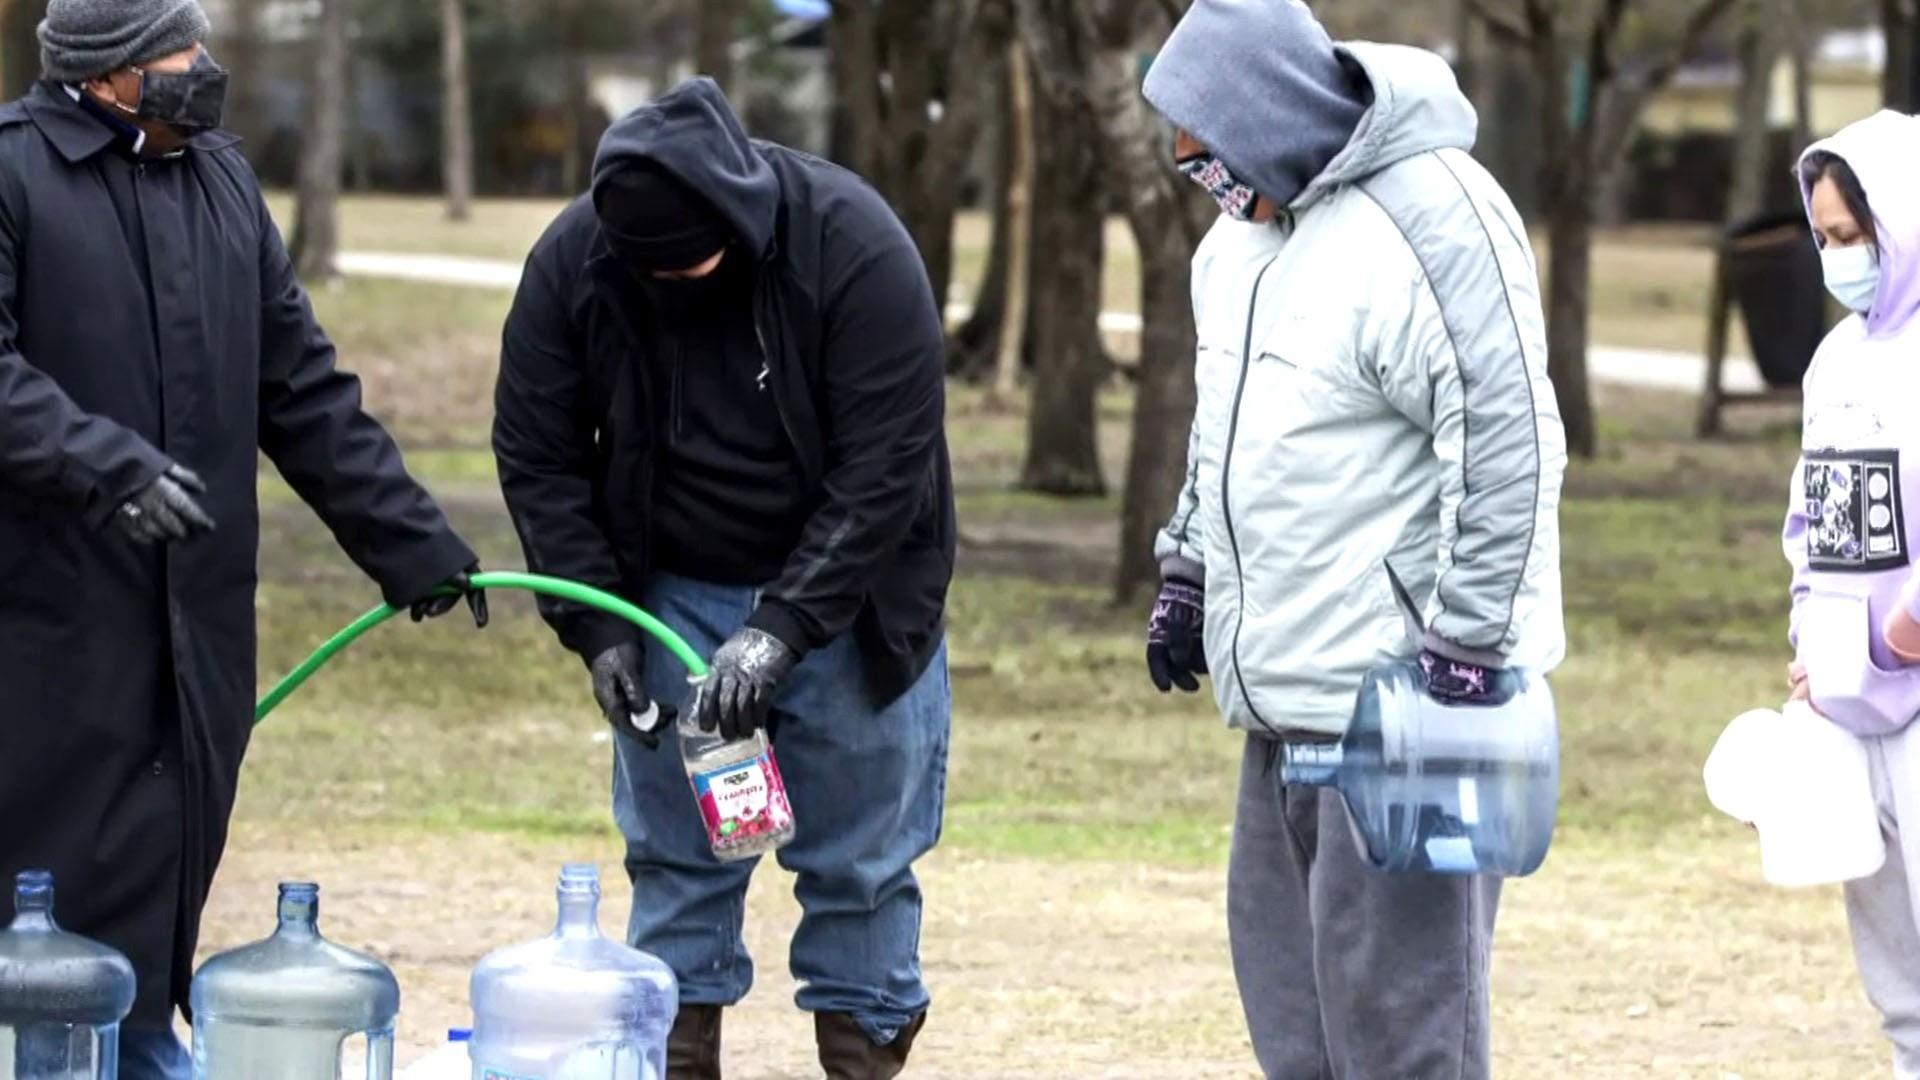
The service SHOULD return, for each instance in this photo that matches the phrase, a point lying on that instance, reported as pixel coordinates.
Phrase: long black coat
(149, 314)
(855, 358)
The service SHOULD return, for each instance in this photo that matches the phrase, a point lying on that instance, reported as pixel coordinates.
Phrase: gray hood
(1260, 85)
(1417, 107)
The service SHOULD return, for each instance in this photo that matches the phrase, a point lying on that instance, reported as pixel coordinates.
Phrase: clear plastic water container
(743, 801)
(573, 1005)
(1444, 788)
(62, 996)
(294, 1006)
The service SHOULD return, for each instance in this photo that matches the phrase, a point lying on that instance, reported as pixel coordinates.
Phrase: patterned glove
(1455, 682)
(1176, 651)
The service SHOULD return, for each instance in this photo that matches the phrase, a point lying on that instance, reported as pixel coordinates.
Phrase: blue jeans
(153, 1054)
(867, 789)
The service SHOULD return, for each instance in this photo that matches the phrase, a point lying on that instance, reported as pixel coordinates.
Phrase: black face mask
(190, 101)
(730, 281)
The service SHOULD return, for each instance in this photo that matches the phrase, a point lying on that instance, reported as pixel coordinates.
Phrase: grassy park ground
(434, 780)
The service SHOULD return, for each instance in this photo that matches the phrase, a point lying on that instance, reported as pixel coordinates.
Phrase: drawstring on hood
(1884, 152)
(1260, 85)
(692, 134)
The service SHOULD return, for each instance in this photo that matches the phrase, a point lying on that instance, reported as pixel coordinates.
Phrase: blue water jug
(573, 1005)
(294, 1006)
(62, 996)
(1442, 788)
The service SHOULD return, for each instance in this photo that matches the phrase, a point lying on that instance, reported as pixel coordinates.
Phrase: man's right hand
(166, 511)
(1176, 651)
(617, 687)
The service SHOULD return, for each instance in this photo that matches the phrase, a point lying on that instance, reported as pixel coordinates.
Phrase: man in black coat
(721, 394)
(153, 341)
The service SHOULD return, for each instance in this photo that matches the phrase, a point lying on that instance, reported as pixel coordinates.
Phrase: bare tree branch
(1504, 30)
(1629, 99)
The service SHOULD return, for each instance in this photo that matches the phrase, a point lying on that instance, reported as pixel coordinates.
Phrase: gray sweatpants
(1882, 909)
(1347, 972)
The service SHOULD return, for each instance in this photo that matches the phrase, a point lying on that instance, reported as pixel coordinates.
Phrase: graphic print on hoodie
(1851, 510)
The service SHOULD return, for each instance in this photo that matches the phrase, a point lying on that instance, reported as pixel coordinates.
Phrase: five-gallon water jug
(1450, 789)
(62, 997)
(743, 801)
(573, 1005)
(294, 1006)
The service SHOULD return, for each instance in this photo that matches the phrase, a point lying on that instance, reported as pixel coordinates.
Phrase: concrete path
(1647, 369)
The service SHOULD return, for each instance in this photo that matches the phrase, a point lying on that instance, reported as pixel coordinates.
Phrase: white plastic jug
(1803, 783)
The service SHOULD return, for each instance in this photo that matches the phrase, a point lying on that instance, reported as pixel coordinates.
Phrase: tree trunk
(853, 48)
(715, 25)
(573, 161)
(19, 47)
(1913, 58)
(971, 352)
(1070, 362)
(1017, 224)
(1800, 37)
(456, 151)
(240, 52)
(1759, 51)
(1168, 218)
(1898, 21)
(316, 238)
(1570, 271)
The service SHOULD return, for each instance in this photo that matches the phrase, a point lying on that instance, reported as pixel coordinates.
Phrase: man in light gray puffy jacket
(1372, 393)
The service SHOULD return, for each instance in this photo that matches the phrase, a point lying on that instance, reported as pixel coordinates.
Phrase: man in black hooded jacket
(721, 395)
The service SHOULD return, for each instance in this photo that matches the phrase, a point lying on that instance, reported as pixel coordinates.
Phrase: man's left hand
(746, 674)
(1456, 682)
(439, 602)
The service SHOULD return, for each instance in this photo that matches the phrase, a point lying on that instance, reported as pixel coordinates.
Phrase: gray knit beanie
(83, 39)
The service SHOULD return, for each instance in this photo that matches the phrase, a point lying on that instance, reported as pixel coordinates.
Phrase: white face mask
(1853, 275)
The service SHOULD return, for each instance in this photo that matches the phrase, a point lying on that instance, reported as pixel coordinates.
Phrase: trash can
(1773, 274)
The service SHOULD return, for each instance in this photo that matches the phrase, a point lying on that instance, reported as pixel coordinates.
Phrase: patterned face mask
(192, 101)
(1237, 200)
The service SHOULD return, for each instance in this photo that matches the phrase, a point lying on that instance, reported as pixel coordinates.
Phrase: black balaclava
(656, 223)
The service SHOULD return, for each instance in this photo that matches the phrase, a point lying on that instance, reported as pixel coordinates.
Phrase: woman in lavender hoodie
(1853, 523)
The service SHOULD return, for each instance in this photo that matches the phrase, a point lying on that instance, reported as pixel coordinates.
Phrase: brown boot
(848, 1054)
(693, 1049)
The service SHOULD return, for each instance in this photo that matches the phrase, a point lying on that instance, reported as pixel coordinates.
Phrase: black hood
(693, 133)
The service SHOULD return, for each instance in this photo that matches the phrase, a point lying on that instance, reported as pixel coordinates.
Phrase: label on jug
(742, 801)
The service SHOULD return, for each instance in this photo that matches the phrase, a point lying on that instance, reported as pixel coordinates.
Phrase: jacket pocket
(1848, 687)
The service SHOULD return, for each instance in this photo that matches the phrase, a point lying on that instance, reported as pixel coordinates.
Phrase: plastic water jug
(286, 1007)
(62, 996)
(743, 801)
(1804, 785)
(1449, 789)
(574, 1005)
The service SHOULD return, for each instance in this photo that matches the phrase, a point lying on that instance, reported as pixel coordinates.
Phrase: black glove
(440, 601)
(1456, 682)
(165, 511)
(1176, 649)
(617, 687)
(746, 674)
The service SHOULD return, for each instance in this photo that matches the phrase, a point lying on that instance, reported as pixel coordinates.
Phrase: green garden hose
(549, 586)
